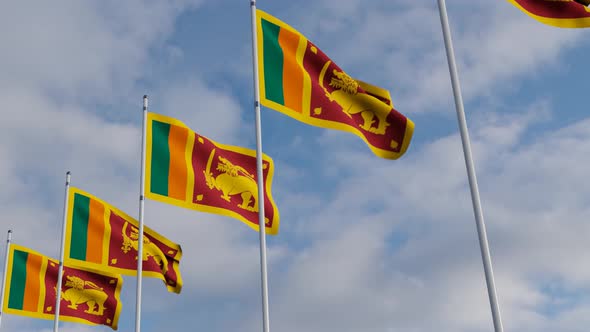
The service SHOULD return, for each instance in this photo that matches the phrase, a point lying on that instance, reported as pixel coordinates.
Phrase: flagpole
(141, 209)
(477, 210)
(259, 175)
(61, 254)
(8, 239)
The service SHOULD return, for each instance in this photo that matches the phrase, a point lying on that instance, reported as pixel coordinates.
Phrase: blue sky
(365, 244)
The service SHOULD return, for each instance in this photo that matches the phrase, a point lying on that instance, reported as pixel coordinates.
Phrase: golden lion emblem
(150, 249)
(373, 111)
(93, 296)
(233, 180)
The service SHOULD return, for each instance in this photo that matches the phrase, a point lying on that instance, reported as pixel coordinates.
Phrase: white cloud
(437, 272)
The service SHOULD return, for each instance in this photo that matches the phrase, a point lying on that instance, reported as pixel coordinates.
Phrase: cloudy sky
(365, 244)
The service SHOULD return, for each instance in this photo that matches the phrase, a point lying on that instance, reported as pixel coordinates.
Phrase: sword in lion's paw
(210, 181)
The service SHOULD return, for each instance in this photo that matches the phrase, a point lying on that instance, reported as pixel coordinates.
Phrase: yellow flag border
(114, 269)
(42, 315)
(305, 118)
(572, 23)
(188, 204)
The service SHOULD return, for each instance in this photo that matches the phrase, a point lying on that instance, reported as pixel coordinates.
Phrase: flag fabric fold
(558, 13)
(88, 296)
(299, 80)
(186, 169)
(103, 237)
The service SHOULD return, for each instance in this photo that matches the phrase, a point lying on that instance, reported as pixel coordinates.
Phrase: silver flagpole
(141, 208)
(477, 211)
(259, 175)
(8, 239)
(61, 254)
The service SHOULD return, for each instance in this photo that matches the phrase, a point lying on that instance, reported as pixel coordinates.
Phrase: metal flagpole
(8, 239)
(61, 254)
(141, 208)
(259, 175)
(477, 211)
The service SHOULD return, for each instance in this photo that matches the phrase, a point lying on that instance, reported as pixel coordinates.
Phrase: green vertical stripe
(79, 238)
(18, 280)
(273, 62)
(160, 158)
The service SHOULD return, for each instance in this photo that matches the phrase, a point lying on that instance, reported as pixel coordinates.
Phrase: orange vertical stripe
(292, 71)
(33, 283)
(96, 224)
(177, 174)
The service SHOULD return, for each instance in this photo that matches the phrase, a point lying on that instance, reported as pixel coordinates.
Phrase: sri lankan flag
(559, 13)
(103, 237)
(87, 296)
(299, 80)
(186, 169)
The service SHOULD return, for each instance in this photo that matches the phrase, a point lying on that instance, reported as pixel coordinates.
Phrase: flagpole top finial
(145, 96)
(10, 231)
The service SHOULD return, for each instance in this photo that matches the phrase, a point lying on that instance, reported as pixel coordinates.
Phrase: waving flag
(299, 80)
(559, 13)
(186, 169)
(106, 238)
(88, 296)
